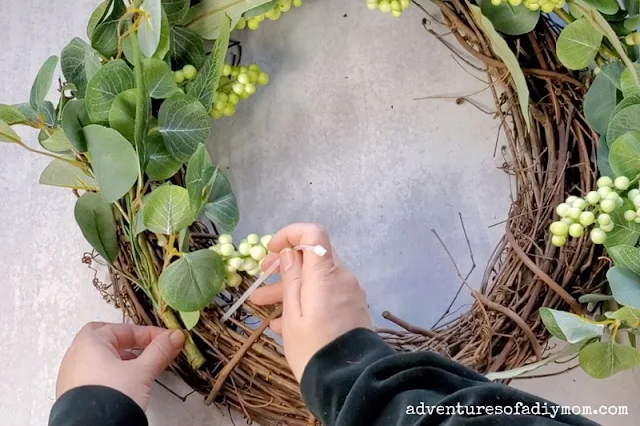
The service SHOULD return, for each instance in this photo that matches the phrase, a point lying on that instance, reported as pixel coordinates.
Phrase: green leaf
(159, 79)
(74, 119)
(626, 314)
(48, 113)
(95, 218)
(114, 161)
(508, 19)
(260, 10)
(167, 210)
(599, 102)
(105, 35)
(160, 165)
(574, 10)
(624, 155)
(165, 38)
(150, 27)
(42, 83)
(625, 286)
(185, 48)
(79, 62)
(122, 116)
(222, 208)
(626, 256)
(500, 48)
(569, 327)
(613, 71)
(623, 122)
(625, 103)
(578, 44)
(603, 157)
(65, 175)
(198, 178)
(207, 17)
(628, 84)
(110, 80)
(190, 283)
(176, 10)
(184, 124)
(603, 359)
(183, 240)
(7, 134)
(631, 6)
(190, 319)
(206, 83)
(138, 222)
(57, 142)
(623, 232)
(632, 22)
(11, 115)
(608, 7)
(32, 116)
(96, 17)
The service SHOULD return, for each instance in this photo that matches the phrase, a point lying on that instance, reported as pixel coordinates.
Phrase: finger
(268, 294)
(90, 327)
(276, 326)
(291, 273)
(304, 234)
(161, 352)
(129, 336)
(126, 355)
(268, 261)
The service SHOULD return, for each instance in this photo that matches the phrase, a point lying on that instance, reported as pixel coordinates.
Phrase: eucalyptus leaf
(624, 103)
(79, 62)
(122, 116)
(176, 10)
(260, 10)
(608, 7)
(623, 122)
(32, 116)
(207, 17)
(114, 161)
(604, 359)
(206, 83)
(56, 142)
(138, 222)
(47, 112)
(613, 71)
(42, 83)
(500, 48)
(65, 175)
(108, 82)
(631, 6)
(575, 11)
(190, 319)
(165, 38)
(95, 218)
(599, 102)
(628, 84)
(222, 207)
(626, 256)
(632, 22)
(104, 37)
(572, 327)
(602, 154)
(150, 27)
(160, 81)
(624, 232)
(578, 44)
(185, 48)
(198, 178)
(7, 134)
(74, 119)
(508, 19)
(626, 314)
(625, 286)
(167, 210)
(11, 115)
(190, 283)
(160, 165)
(183, 240)
(96, 17)
(624, 155)
(184, 124)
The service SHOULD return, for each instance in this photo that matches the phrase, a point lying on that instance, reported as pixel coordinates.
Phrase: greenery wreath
(128, 134)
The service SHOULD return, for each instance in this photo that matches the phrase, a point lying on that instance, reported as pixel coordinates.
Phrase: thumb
(161, 352)
(291, 274)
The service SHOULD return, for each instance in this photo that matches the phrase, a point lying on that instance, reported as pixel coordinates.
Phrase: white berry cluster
(595, 208)
(395, 7)
(236, 83)
(546, 6)
(281, 6)
(247, 257)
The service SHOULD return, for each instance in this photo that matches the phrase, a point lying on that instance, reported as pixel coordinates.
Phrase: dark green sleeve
(96, 406)
(358, 380)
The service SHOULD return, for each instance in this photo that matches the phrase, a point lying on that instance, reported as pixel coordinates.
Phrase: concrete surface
(335, 138)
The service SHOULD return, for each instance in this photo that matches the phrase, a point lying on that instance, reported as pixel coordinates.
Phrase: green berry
(636, 38)
(604, 219)
(604, 191)
(559, 228)
(633, 194)
(587, 218)
(496, 2)
(395, 6)
(563, 209)
(613, 196)
(241, 25)
(179, 76)
(254, 272)
(297, 3)
(622, 182)
(607, 206)
(574, 213)
(222, 97)
(258, 252)
(405, 4)
(238, 88)
(225, 239)
(244, 95)
(220, 106)
(567, 221)
(235, 72)
(190, 72)
(637, 219)
(229, 110)
(235, 262)
(576, 230)
(215, 114)
(253, 76)
(607, 228)
(263, 79)
(226, 70)
(629, 39)
(515, 3)
(254, 68)
(215, 248)
(265, 240)
(579, 203)
(243, 78)
(548, 8)
(230, 269)
(226, 249)
(598, 236)
(249, 264)
(593, 198)
(605, 181)
(253, 24)
(570, 199)
(244, 248)
(250, 88)
(234, 280)
(233, 99)
(636, 201)
(630, 215)
(558, 240)
(253, 239)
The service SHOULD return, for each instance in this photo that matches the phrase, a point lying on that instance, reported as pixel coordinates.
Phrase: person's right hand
(321, 298)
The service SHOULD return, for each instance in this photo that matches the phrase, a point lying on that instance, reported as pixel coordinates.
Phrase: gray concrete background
(335, 138)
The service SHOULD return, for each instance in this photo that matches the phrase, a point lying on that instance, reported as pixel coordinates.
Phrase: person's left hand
(101, 355)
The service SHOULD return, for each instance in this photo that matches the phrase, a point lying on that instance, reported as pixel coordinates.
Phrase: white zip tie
(319, 250)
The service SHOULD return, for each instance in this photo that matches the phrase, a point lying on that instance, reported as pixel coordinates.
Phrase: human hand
(321, 298)
(100, 355)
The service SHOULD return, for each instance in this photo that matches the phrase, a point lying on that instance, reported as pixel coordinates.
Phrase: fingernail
(177, 338)
(287, 257)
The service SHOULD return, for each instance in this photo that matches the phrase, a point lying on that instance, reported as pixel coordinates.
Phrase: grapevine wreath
(128, 134)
